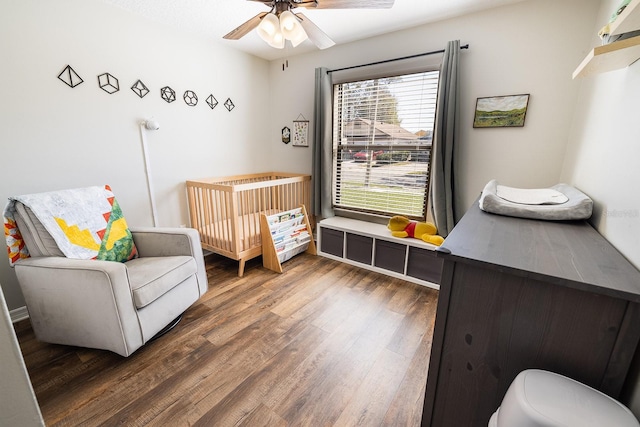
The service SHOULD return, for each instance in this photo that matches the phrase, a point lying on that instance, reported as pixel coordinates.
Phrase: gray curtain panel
(442, 180)
(323, 145)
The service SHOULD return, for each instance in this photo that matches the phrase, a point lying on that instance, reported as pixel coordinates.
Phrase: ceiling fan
(281, 24)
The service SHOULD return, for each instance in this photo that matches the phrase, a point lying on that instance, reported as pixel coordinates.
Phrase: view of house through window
(382, 136)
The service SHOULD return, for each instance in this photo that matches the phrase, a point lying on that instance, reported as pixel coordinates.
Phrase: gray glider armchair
(104, 304)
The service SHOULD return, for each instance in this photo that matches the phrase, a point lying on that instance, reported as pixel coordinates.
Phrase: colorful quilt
(86, 223)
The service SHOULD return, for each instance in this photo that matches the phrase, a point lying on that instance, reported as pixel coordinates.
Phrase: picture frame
(301, 132)
(501, 111)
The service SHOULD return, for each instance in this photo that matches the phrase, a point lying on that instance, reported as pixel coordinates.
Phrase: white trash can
(538, 398)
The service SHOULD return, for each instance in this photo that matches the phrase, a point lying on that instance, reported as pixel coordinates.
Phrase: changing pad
(560, 202)
(531, 196)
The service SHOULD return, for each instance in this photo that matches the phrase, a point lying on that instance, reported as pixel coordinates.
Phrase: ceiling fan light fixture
(288, 23)
(299, 37)
(291, 28)
(277, 41)
(268, 27)
(281, 24)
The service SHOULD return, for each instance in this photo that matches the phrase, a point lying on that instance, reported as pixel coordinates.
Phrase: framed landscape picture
(501, 111)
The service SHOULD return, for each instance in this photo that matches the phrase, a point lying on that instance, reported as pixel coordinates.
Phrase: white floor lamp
(149, 125)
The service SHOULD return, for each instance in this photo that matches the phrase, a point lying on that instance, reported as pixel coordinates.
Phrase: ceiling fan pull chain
(285, 59)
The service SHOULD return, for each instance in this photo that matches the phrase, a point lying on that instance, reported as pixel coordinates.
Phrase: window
(382, 135)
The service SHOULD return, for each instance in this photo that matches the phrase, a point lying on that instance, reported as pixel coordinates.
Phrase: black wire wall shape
(190, 98)
(70, 77)
(229, 104)
(108, 83)
(168, 94)
(212, 101)
(140, 89)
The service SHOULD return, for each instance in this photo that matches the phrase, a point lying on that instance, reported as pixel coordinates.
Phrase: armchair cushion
(152, 277)
(36, 237)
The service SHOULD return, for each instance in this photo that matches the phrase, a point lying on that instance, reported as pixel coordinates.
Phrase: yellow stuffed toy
(401, 226)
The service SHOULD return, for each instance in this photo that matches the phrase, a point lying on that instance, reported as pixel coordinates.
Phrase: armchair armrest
(166, 241)
(171, 241)
(69, 299)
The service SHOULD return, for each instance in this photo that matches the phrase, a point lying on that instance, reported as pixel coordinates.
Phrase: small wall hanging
(70, 77)
(501, 111)
(301, 132)
(140, 89)
(168, 94)
(108, 83)
(190, 98)
(286, 135)
(229, 104)
(212, 101)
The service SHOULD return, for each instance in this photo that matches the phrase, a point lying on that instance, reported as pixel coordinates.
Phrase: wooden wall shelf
(619, 54)
(613, 56)
(628, 20)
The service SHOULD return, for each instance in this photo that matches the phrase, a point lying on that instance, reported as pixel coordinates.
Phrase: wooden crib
(226, 210)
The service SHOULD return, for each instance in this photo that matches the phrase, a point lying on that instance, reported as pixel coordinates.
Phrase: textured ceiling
(215, 18)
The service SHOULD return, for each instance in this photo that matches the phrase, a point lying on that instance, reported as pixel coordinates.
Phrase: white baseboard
(19, 314)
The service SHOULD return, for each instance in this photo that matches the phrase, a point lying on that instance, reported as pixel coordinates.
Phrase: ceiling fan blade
(316, 35)
(344, 4)
(243, 29)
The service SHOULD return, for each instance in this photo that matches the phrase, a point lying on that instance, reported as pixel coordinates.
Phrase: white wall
(529, 47)
(55, 137)
(603, 150)
(602, 160)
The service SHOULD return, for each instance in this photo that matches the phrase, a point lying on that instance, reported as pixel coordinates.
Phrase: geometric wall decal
(229, 104)
(70, 77)
(108, 83)
(168, 94)
(212, 101)
(140, 89)
(190, 98)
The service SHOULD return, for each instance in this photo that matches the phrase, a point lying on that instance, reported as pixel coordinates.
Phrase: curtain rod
(466, 46)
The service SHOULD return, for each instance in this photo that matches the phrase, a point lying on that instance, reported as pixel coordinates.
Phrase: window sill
(361, 216)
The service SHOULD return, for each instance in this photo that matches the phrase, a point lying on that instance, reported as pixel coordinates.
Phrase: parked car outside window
(361, 156)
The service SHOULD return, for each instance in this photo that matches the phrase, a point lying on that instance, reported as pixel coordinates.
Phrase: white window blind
(382, 138)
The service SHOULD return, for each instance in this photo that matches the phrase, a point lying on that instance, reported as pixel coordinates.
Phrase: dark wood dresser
(517, 294)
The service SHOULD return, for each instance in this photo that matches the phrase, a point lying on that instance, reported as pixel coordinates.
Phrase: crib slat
(234, 232)
(192, 203)
(217, 209)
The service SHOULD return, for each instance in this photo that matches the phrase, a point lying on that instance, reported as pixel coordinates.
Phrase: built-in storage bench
(371, 246)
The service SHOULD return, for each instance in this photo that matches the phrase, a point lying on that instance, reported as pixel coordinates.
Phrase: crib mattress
(219, 233)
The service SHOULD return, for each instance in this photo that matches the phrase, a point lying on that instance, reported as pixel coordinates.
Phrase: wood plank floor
(323, 344)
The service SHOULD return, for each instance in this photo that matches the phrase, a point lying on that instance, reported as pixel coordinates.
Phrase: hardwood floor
(323, 344)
